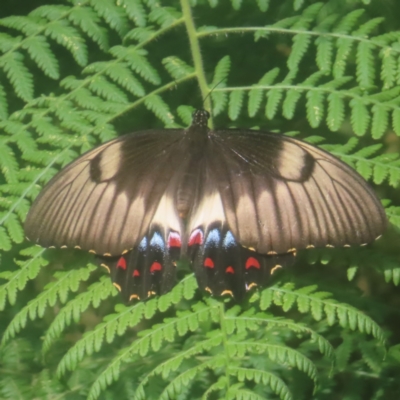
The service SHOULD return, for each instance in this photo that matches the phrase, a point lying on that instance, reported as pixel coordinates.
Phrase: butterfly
(236, 203)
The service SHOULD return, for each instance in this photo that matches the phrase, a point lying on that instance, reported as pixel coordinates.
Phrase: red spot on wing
(174, 239)
(208, 263)
(196, 237)
(230, 270)
(136, 272)
(252, 263)
(121, 263)
(156, 266)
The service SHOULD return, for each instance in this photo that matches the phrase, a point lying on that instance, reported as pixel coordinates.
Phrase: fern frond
(72, 311)
(118, 323)
(319, 305)
(135, 11)
(136, 59)
(165, 16)
(89, 21)
(112, 14)
(18, 279)
(18, 75)
(277, 385)
(39, 50)
(177, 68)
(66, 281)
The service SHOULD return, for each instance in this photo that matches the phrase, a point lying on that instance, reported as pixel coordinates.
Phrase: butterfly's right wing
(118, 201)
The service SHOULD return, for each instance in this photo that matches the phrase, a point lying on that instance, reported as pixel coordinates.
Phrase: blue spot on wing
(213, 238)
(229, 240)
(143, 244)
(157, 241)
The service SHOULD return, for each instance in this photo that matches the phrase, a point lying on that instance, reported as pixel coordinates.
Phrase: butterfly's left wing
(280, 194)
(263, 197)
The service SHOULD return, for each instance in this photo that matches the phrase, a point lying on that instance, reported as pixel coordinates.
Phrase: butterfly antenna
(209, 94)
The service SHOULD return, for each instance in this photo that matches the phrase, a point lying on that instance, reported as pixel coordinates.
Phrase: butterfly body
(236, 203)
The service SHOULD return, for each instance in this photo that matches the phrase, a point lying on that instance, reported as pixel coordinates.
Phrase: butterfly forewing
(105, 200)
(281, 194)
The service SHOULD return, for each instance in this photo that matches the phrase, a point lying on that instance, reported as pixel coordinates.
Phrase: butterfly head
(200, 118)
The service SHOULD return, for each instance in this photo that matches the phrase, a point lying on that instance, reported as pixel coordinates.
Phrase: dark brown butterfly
(237, 203)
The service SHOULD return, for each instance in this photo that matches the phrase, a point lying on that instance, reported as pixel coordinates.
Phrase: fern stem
(196, 54)
(241, 30)
(225, 345)
(308, 88)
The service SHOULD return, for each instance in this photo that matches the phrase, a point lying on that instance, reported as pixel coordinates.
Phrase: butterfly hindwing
(225, 268)
(149, 268)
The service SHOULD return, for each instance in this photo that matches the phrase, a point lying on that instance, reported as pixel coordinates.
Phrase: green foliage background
(76, 73)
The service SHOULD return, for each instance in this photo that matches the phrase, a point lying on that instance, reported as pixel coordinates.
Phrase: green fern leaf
(89, 22)
(28, 25)
(274, 97)
(141, 35)
(324, 53)
(122, 75)
(5, 242)
(3, 104)
(137, 61)
(107, 90)
(8, 163)
(263, 5)
(396, 121)
(221, 71)
(114, 15)
(18, 74)
(256, 95)
(290, 102)
(389, 68)
(185, 114)
(365, 29)
(301, 43)
(177, 68)
(359, 117)
(50, 12)
(66, 281)
(68, 37)
(14, 229)
(236, 4)
(345, 47)
(165, 16)
(380, 121)
(155, 104)
(235, 104)
(277, 385)
(297, 4)
(72, 311)
(349, 21)
(336, 111)
(315, 107)
(135, 11)
(365, 65)
(40, 52)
